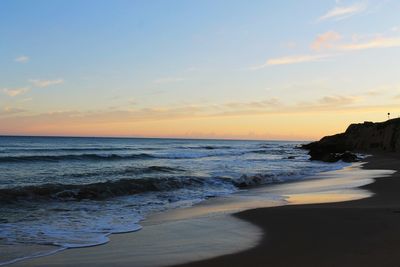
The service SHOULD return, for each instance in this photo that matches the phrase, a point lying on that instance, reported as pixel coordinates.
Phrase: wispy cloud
(11, 111)
(292, 60)
(46, 83)
(262, 104)
(377, 42)
(107, 121)
(342, 12)
(329, 40)
(332, 44)
(22, 59)
(339, 100)
(375, 92)
(15, 91)
(325, 40)
(169, 80)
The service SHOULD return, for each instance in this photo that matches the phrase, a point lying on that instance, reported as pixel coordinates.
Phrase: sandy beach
(356, 233)
(362, 232)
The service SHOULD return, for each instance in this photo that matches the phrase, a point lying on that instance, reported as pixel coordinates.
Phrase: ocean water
(74, 192)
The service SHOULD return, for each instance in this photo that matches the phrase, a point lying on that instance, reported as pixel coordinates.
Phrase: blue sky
(199, 68)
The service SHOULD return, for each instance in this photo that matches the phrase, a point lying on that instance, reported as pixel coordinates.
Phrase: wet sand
(362, 232)
(338, 234)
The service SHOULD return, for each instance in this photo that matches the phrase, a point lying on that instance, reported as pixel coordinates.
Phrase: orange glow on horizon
(303, 126)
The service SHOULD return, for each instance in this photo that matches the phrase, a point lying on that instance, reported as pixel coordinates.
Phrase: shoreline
(241, 233)
(364, 232)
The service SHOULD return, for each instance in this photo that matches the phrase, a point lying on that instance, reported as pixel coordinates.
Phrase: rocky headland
(367, 137)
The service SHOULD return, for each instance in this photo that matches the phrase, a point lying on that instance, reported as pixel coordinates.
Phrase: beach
(362, 232)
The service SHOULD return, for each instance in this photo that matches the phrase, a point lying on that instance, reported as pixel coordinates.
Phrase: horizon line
(165, 138)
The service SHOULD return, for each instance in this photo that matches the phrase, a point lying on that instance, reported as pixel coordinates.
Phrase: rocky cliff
(366, 137)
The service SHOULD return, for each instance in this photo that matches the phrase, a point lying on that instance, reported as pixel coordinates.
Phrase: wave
(114, 156)
(270, 151)
(94, 156)
(261, 151)
(123, 187)
(205, 147)
(159, 169)
(97, 191)
(56, 158)
(199, 155)
(78, 149)
(126, 171)
(66, 149)
(258, 179)
(268, 146)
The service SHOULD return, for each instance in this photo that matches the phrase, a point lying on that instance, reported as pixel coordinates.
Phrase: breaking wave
(123, 187)
(205, 147)
(125, 171)
(97, 191)
(55, 158)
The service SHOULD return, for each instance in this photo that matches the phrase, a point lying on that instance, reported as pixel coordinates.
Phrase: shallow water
(74, 192)
(208, 230)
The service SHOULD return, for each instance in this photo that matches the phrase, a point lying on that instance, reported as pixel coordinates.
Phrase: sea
(71, 192)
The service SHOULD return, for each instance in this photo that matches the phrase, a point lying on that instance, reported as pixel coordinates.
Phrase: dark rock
(365, 137)
(334, 157)
(349, 157)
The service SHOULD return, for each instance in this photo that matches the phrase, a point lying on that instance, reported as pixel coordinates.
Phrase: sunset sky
(293, 70)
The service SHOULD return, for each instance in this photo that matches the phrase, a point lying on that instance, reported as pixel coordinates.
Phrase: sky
(275, 70)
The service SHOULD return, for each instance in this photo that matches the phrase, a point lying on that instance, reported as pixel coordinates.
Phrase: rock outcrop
(367, 137)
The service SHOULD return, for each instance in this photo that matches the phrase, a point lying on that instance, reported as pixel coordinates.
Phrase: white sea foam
(112, 191)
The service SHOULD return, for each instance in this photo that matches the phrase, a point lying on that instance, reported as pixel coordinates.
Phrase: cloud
(342, 12)
(339, 100)
(377, 42)
(375, 92)
(22, 59)
(169, 80)
(15, 91)
(77, 122)
(263, 104)
(46, 83)
(10, 111)
(292, 60)
(325, 40)
(330, 41)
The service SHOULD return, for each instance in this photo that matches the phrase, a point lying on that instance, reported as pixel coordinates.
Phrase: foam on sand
(208, 230)
(163, 244)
